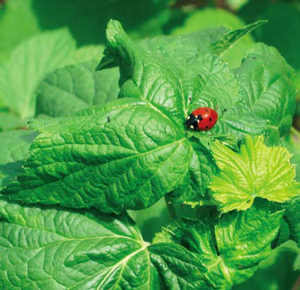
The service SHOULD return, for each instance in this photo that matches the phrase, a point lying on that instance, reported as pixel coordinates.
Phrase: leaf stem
(171, 208)
(295, 132)
(297, 284)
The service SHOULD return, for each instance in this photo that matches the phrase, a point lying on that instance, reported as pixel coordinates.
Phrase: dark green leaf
(180, 269)
(292, 216)
(113, 158)
(232, 248)
(267, 90)
(274, 273)
(61, 249)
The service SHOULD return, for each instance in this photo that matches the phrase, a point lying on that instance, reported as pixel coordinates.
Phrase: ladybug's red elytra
(202, 119)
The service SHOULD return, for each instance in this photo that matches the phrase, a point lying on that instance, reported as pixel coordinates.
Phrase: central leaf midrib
(66, 239)
(95, 165)
(123, 261)
(134, 154)
(159, 168)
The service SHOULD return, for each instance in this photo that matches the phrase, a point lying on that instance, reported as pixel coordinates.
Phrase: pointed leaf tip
(229, 39)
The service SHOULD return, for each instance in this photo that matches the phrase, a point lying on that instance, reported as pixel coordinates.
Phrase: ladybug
(202, 119)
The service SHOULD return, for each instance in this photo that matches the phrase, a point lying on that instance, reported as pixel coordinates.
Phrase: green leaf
(76, 87)
(162, 88)
(283, 235)
(210, 18)
(180, 268)
(232, 247)
(174, 47)
(292, 216)
(18, 22)
(71, 250)
(9, 121)
(177, 78)
(201, 168)
(255, 171)
(228, 40)
(85, 54)
(63, 249)
(29, 64)
(144, 77)
(199, 79)
(112, 158)
(292, 144)
(266, 89)
(14, 149)
(274, 273)
(183, 47)
(297, 263)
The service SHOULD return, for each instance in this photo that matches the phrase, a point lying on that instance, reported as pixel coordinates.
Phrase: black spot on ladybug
(206, 110)
(209, 119)
(206, 127)
(200, 118)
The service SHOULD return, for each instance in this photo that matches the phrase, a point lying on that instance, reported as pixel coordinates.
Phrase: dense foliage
(89, 149)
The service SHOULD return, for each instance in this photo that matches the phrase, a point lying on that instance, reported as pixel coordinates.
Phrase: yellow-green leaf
(255, 171)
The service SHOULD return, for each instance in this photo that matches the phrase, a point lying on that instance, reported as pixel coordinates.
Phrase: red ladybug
(202, 119)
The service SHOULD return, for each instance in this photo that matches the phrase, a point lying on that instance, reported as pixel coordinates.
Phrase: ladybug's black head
(192, 122)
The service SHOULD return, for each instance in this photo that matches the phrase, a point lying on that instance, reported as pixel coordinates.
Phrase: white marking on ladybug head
(198, 121)
(192, 127)
(188, 117)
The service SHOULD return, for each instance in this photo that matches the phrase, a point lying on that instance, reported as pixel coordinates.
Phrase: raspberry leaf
(113, 159)
(230, 246)
(255, 171)
(62, 249)
(76, 87)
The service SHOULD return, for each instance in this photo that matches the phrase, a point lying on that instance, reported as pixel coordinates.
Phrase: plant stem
(297, 284)
(171, 208)
(295, 132)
